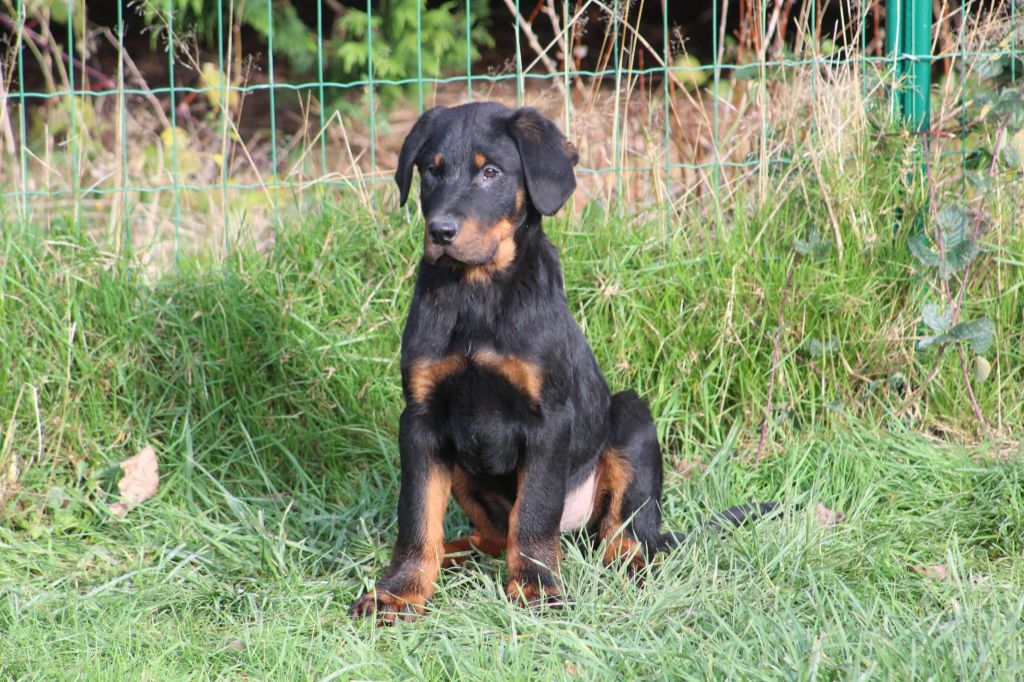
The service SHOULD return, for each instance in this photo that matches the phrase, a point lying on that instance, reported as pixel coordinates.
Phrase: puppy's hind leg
(627, 515)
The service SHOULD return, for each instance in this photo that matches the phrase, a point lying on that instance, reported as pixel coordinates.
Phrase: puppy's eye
(434, 171)
(491, 172)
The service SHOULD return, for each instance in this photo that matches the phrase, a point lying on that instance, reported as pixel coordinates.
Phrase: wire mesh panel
(164, 127)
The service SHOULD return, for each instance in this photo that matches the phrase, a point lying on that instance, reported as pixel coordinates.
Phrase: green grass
(269, 387)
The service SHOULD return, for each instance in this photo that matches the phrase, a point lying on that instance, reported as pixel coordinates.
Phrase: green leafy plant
(396, 49)
(979, 333)
(397, 54)
(958, 246)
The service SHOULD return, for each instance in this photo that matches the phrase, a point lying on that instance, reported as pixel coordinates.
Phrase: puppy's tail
(733, 517)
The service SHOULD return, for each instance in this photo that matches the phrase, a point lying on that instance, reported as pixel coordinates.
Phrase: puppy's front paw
(389, 608)
(534, 592)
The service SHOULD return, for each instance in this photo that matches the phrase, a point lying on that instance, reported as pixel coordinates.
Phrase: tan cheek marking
(479, 159)
(504, 255)
(520, 200)
(523, 374)
(426, 374)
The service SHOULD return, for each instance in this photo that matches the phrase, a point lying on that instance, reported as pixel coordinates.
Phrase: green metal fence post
(917, 43)
(894, 48)
(908, 42)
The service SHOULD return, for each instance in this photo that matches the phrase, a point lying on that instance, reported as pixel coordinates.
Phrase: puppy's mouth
(451, 256)
(447, 261)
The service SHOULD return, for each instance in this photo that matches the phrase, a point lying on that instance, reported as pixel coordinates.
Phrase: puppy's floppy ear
(411, 149)
(547, 159)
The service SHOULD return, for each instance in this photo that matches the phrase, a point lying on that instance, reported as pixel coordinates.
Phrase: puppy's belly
(579, 504)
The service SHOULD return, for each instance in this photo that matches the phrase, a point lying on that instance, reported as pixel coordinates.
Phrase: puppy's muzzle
(443, 230)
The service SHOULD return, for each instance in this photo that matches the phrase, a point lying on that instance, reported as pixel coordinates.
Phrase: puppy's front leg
(533, 535)
(407, 585)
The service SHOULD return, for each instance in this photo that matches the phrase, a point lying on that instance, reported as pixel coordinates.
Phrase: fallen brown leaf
(140, 481)
(942, 572)
(827, 517)
(935, 571)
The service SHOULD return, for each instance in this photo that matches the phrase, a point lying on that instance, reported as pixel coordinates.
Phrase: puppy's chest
(481, 402)
(474, 376)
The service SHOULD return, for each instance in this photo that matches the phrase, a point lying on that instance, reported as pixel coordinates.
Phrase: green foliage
(396, 52)
(959, 247)
(994, 102)
(293, 39)
(979, 333)
(815, 246)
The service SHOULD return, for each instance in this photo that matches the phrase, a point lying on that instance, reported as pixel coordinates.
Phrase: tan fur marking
(527, 593)
(486, 537)
(419, 590)
(505, 253)
(523, 374)
(460, 550)
(439, 488)
(622, 548)
(479, 159)
(435, 503)
(615, 477)
(513, 557)
(437, 160)
(520, 200)
(425, 374)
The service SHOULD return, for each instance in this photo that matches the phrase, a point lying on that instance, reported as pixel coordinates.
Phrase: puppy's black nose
(443, 230)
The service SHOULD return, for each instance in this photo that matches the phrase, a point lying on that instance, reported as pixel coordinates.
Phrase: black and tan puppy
(506, 408)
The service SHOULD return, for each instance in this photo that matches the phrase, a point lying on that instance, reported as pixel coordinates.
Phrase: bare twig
(531, 38)
(561, 36)
(102, 79)
(147, 93)
(970, 393)
(6, 132)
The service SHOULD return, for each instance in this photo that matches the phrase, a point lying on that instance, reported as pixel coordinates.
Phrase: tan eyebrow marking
(479, 159)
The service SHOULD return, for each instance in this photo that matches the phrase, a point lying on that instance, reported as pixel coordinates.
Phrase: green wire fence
(114, 153)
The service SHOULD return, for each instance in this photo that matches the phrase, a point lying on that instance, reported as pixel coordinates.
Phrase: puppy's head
(483, 167)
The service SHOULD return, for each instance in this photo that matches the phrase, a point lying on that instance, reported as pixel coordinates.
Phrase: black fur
(503, 394)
